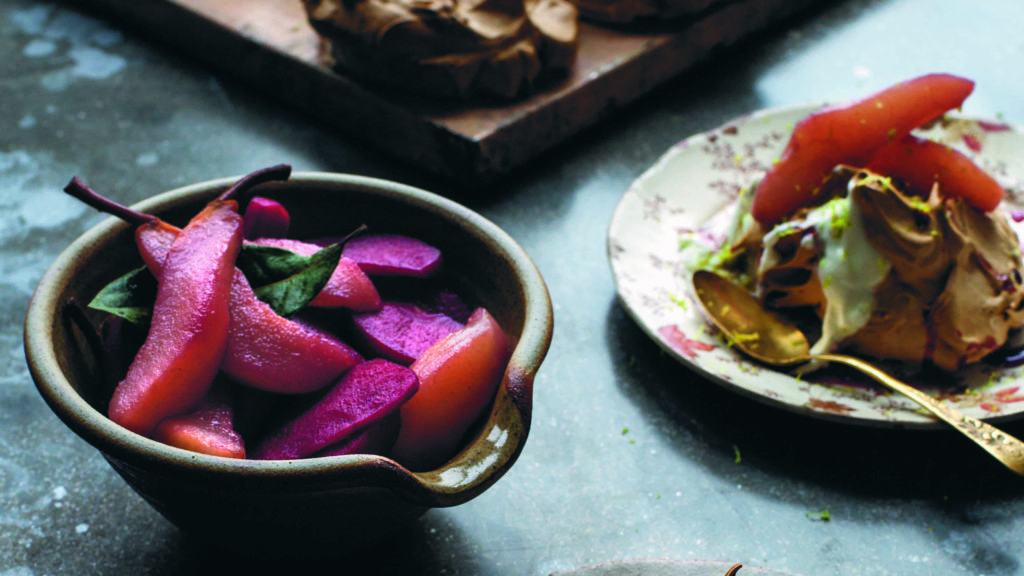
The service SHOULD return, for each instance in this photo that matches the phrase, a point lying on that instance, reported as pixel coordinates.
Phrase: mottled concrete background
(630, 455)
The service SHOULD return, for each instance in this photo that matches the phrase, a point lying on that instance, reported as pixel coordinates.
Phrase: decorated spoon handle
(1005, 448)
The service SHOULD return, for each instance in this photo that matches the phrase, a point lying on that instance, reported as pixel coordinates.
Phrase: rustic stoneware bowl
(342, 501)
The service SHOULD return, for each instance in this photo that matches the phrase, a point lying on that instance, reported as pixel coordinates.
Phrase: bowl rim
(465, 476)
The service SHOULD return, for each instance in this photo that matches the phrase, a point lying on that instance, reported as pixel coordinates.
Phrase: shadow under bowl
(292, 505)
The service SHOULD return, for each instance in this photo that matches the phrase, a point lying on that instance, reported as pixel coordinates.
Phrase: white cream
(849, 268)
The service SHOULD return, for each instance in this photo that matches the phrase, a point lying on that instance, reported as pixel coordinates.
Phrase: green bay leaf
(287, 281)
(130, 296)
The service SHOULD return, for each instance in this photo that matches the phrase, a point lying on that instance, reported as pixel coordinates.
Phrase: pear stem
(277, 173)
(79, 190)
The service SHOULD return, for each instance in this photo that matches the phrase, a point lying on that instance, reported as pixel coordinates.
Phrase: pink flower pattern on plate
(685, 346)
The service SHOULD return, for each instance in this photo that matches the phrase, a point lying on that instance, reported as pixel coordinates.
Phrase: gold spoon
(767, 337)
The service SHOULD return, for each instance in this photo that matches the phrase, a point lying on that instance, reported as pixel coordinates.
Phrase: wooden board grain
(270, 43)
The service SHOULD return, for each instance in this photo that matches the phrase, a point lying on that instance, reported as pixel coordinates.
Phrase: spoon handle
(1005, 448)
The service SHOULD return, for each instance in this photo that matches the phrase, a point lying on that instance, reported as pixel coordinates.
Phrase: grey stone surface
(630, 454)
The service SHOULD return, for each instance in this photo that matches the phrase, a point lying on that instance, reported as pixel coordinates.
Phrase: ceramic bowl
(340, 500)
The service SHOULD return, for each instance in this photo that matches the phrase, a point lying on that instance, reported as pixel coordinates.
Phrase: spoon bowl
(760, 333)
(767, 337)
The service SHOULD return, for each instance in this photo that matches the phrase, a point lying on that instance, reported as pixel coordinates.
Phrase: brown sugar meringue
(895, 276)
(628, 11)
(451, 48)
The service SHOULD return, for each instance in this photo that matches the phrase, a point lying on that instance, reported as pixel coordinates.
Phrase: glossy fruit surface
(264, 350)
(209, 429)
(458, 377)
(265, 218)
(279, 354)
(366, 394)
(922, 163)
(851, 134)
(188, 336)
(393, 255)
(401, 331)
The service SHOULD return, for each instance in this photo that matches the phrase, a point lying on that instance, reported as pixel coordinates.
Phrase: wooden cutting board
(270, 43)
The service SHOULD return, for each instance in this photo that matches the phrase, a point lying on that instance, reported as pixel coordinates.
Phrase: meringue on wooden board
(449, 48)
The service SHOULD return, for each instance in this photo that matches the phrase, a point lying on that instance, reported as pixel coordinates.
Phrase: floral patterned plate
(686, 199)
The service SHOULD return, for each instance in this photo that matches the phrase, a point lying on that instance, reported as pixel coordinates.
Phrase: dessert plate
(683, 204)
